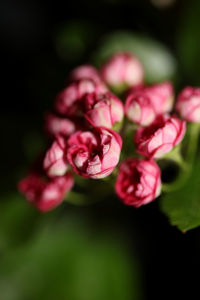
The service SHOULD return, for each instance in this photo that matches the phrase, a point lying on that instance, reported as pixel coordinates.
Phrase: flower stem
(176, 156)
(187, 164)
(194, 131)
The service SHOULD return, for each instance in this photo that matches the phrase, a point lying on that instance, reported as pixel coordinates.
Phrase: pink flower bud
(55, 125)
(138, 109)
(45, 195)
(85, 72)
(161, 96)
(55, 163)
(123, 70)
(138, 181)
(94, 154)
(68, 101)
(159, 138)
(103, 109)
(188, 104)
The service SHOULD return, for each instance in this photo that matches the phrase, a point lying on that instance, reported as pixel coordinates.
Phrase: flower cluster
(87, 126)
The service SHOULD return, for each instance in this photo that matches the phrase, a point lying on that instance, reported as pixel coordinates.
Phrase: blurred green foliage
(62, 257)
(159, 64)
(18, 221)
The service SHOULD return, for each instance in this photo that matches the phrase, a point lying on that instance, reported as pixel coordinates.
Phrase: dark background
(33, 70)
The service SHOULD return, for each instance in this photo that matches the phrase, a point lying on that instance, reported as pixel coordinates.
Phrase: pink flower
(160, 137)
(68, 101)
(138, 181)
(55, 163)
(161, 96)
(103, 109)
(138, 109)
(188, 104)
(123, 70)
(55, 125)
(94, 154)
(45, 195)
(85, 72)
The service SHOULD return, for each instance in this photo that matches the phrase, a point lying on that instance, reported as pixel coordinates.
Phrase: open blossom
(188, 104)
(68, 100)
(161, 96)
(103, 109)
(138, 181)
(94, 154)
(55, 163)
(55, 125)
(85, 72)
(159, 138)
(138, 109)
(123, 70)
(45, 194)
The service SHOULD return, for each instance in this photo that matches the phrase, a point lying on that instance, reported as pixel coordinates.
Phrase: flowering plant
(109, 125)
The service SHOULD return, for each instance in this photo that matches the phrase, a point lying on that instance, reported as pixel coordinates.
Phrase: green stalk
(187, 164)
(194, 131)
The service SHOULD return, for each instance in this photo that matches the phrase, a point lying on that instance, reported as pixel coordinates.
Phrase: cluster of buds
(86, 129)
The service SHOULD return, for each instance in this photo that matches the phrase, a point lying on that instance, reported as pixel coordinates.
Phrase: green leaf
(17, 220)
(158, 62)
(183, 206)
